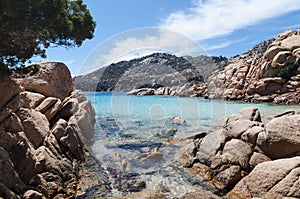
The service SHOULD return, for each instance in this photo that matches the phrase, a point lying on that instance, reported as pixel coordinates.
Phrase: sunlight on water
(132, 136)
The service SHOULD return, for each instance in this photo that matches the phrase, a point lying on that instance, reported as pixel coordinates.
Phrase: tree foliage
(287, 72)
(29, 27)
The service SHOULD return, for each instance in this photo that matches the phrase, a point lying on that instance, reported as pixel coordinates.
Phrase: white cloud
(212, 18)
(69, 62)
(222, 44)
(181, 31)
(137, 43)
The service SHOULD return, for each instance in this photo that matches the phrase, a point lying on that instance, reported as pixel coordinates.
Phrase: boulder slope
(42, 134)
(271, 76)
(245, 158)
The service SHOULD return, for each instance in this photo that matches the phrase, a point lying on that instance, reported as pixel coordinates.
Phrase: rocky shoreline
(267, 73)
(44, 124)
(242, 158)
(245, 158)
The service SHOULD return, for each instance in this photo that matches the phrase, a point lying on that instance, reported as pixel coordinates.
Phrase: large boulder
(84, 120)
(49, 107)
(273, 179)
(210, 145)
(272, 51)
(72, 143)
(53, 79)
(7, 193)
(281, 137)
(292, 42)
(47, 160)
(69, 107)
(23, 156)
(9, 176)
(12, 124)
(237, 157)
(9, 88)
(36, 125)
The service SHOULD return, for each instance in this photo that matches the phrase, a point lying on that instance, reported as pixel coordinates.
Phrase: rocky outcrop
(249, 157)
(52, 80)
(42, 134)
(272, 179)
(269, 76)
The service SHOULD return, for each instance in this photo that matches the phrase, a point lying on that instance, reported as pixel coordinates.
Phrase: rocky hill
(44, 124)
(156, 70)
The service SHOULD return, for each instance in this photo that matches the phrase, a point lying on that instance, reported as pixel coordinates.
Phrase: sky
(131, 28)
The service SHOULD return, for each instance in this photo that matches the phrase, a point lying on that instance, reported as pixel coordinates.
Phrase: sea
(133, 137)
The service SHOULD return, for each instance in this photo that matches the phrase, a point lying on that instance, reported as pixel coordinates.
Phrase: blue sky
(218, 27)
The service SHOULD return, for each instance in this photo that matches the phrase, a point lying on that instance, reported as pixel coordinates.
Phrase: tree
(29, 27)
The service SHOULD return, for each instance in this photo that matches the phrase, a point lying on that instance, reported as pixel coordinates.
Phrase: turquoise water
(129, 128)
(198, 112)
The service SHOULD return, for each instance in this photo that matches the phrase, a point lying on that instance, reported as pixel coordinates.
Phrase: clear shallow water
(130, 129)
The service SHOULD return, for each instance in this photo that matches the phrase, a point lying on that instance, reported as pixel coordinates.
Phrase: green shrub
(25, 71)
(286, 72)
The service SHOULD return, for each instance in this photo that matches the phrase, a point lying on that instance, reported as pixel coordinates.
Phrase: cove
(134, 137)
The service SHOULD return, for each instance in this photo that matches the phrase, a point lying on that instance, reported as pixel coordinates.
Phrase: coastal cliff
(44, 124)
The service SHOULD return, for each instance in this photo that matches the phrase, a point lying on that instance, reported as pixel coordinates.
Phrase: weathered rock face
(244, 154)
(9, 88)
(218, 150)
(281, 137)
(268, 75)
(273, 179)
(42, 134)
(52, 80)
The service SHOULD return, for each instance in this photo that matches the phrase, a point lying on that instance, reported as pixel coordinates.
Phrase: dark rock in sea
(168, 133)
